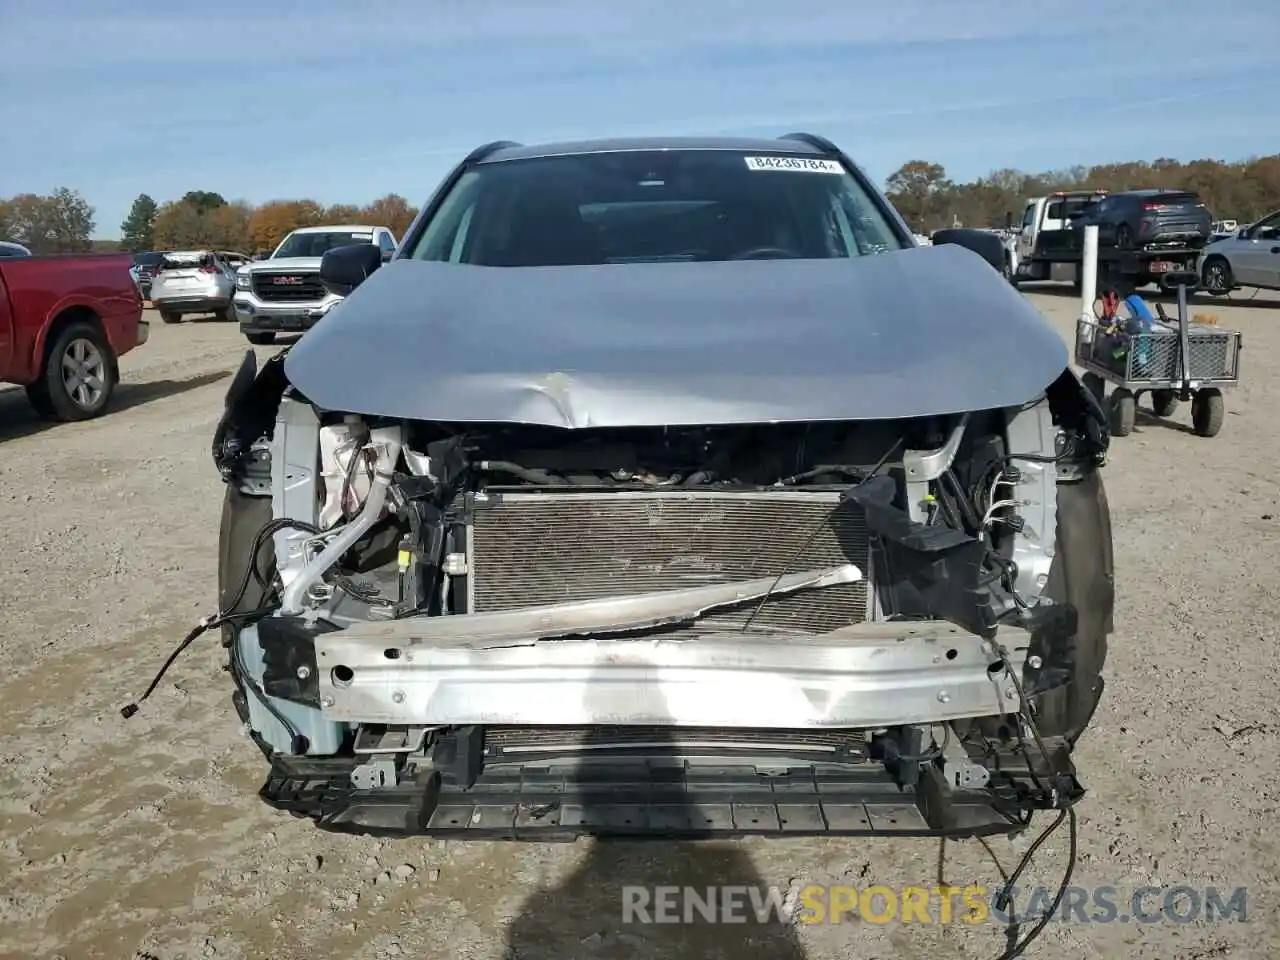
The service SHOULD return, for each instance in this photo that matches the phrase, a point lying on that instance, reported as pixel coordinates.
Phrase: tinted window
(638, 206)
(148, 259)
(386, 243)
(317, 244)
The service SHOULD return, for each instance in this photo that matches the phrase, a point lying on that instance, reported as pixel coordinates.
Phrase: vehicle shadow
(1146, 418)
(1200, 302)
(610, 905)
(18, 419)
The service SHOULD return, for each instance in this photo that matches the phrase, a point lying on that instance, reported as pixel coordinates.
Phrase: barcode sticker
(795, 164)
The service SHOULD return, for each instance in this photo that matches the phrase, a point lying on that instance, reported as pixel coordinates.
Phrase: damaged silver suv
(666, 488)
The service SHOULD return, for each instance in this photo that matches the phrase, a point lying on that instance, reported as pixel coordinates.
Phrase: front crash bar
(863, 676)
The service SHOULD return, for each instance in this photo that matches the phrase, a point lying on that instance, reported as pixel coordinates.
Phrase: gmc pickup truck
(283, 293)
(64, 323)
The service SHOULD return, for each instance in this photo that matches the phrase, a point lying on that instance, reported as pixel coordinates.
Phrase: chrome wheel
(1216, 277)
(84, 374)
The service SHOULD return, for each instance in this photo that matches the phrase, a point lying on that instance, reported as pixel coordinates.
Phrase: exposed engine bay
(520, 630)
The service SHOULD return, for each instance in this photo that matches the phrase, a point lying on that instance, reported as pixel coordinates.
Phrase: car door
(1256, 261)
(1027, 235)
(387, 244)
(226, 263)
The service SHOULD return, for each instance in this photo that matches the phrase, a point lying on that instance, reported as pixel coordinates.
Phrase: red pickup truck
(64, 323)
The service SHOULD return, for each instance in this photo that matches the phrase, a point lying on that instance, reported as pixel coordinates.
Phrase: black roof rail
(479, 153)
(813, 140)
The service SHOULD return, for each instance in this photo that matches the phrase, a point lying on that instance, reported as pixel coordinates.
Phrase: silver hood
(918, 332)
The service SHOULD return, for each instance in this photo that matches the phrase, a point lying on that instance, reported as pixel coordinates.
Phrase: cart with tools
(1172, 360)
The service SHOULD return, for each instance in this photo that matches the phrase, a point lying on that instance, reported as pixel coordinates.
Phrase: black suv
(145, 266)
(1140, 218)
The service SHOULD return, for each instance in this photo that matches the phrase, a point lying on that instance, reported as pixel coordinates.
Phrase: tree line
(204, 218)
(63, 221)
(1245, 190)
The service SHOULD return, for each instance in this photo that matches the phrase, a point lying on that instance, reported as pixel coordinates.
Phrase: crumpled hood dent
(919, 332)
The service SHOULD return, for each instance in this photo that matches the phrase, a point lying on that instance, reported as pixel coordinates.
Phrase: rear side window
(186, 261)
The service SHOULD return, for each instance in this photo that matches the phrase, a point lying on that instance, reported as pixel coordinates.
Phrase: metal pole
(1184, 336)
(1089, 279)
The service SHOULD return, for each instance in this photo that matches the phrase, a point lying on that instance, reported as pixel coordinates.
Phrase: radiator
(527, 549)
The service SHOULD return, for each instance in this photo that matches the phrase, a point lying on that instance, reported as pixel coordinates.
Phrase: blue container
(1139, 323)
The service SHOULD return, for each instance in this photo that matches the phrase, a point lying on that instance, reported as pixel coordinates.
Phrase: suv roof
(792, 143)
(340, 228)
(1154, 192)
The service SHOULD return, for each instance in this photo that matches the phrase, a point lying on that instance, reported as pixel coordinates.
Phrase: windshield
(317, 244)
(649, 206)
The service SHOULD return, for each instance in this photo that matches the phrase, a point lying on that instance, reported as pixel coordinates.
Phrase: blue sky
(346, 101)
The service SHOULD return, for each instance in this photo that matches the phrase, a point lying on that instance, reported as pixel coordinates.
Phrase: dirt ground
(144, 839)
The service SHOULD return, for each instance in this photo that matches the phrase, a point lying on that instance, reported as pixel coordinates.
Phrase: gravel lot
(145, 839)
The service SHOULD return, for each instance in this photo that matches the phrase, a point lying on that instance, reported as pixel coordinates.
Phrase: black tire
(1095, 385)
(79, 376)
(1216, 277)
(1163, 402)
(1124, 412)
(261, 339)
(1208, 410)
(168, 317)
(226, 314)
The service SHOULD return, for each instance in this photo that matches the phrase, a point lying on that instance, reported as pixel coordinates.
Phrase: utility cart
(1171, 360)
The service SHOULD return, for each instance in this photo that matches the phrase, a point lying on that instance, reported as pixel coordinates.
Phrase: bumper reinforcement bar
(563, 801)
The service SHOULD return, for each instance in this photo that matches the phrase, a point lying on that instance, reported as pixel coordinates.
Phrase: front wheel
(261, 339)
(169, 317)
(1216, 277)
(79, 375)
(1163, 402)
(1124, 412)
(1207, 412)
(1095, 385)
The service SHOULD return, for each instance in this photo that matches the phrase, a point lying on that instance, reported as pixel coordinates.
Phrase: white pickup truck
(1046, 215)
(282, 293)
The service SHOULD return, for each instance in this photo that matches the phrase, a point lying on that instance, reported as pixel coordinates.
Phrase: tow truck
(1051, 242)
(1041, 253)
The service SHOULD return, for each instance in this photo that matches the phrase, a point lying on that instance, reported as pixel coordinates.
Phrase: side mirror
(988, 246)
(342, 269)
(387, 255)
(262, 255)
